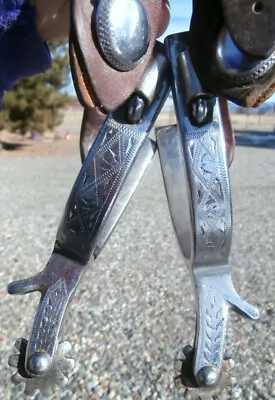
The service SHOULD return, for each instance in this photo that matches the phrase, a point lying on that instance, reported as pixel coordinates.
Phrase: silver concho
(123, 32)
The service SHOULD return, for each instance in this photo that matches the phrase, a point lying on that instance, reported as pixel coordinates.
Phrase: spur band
(196, 153)
(96, 189)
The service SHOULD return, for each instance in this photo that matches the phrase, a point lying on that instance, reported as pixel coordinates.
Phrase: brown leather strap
(85, 95)
(247, 89)
(100, 84)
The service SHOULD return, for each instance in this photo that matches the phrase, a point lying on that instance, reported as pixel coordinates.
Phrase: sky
(181, 11)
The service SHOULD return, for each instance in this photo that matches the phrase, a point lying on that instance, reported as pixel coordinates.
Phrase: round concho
(123, 32)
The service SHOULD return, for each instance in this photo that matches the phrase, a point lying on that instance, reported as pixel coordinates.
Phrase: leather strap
(95, 81)
(247, 89)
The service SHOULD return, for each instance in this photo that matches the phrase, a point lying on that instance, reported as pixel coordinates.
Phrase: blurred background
(134, 311)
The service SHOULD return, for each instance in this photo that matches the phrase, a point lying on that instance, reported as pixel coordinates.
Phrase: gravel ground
(134, 311)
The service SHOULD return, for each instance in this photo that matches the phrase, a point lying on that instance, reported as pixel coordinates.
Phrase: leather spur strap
(249, 87)
(97, 83)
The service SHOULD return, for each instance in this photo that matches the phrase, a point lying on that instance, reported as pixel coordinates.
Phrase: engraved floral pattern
(210, 194)
(211, 200)
(49, 316)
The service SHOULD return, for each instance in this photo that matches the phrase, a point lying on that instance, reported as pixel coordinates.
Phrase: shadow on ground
(255, 139)
(12, 146)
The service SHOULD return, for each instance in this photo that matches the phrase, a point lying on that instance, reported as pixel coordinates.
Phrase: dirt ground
(42, 148)
(64, 140)
(68, 134)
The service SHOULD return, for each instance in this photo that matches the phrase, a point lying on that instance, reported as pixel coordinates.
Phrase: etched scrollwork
(102, 178)
(98, 185)
(51, 309)
(210, 193)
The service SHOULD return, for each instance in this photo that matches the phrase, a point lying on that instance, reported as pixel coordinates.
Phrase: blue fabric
(9, 13)
(22, 50)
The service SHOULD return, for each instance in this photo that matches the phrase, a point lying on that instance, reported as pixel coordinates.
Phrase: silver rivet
(39, 363)
(135, 109)
(207, 376)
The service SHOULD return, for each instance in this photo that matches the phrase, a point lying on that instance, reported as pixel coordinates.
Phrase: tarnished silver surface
(123, 32)
(198, 155)
(146, 90)
(135, 175)
(94, 193)
(92, 122)
(56, 282)
(102, 176)
(194, 95)
(135, 109)
(150, 81)
(191, 85)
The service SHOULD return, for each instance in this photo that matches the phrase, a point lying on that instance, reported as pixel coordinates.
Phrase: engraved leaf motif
(213, 329)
